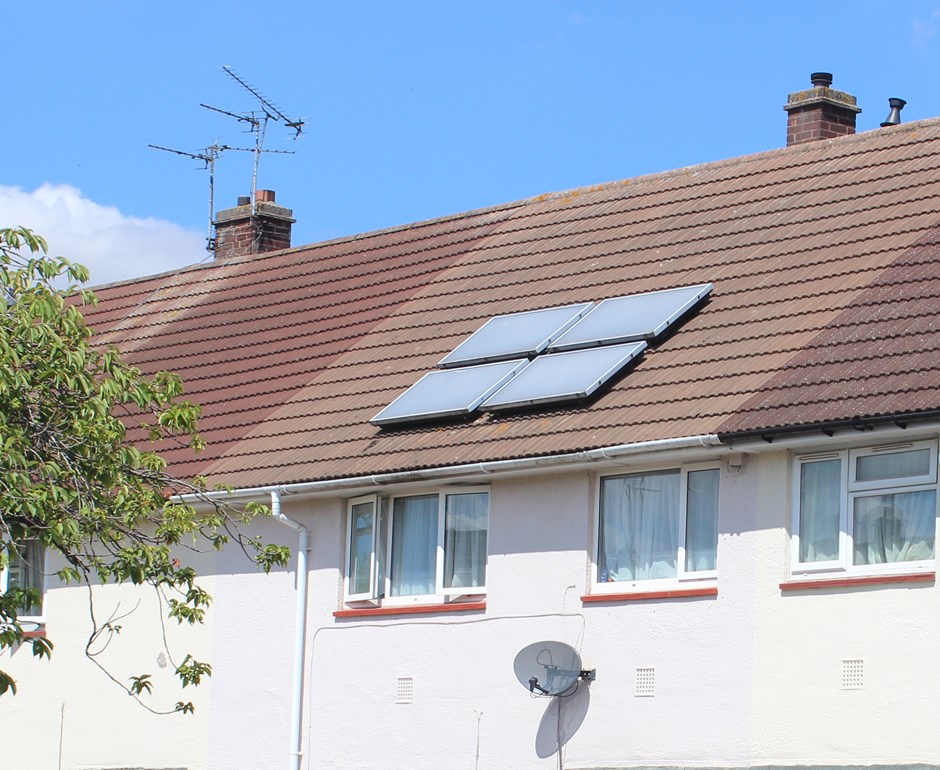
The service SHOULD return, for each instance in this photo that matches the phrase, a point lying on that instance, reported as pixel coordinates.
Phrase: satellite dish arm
(534, 685)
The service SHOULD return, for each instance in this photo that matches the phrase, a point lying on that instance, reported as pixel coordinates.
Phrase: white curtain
(414, 545)
(820, 498)
(639, 526)
(895, 527)
(892, 465)
(701, 528)
(465, 540)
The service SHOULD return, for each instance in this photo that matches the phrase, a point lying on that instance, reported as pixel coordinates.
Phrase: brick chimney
(820, 112)
(242, 231)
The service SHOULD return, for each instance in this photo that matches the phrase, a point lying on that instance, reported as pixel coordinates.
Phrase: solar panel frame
(496, 340)
(590, 367)
(446, 394)
(630, 318)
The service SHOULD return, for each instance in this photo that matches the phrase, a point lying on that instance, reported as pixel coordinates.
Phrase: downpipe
(300, 628)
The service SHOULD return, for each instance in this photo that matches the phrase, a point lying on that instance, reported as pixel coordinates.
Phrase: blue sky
(413, 110)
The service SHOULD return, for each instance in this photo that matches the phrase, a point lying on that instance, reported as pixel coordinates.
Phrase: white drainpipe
(300, 627)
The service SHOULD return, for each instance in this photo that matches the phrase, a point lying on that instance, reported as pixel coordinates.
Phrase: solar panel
(448, 392)
(515, 335)
(635, 317)
(560, 377)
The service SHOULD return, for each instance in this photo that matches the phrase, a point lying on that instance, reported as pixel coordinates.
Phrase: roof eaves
(484, 468)
(768, 434)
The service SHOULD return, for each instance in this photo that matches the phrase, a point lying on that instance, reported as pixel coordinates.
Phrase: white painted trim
(440, 593)
(452, 472)
(849, 490)
(442, 528)
(683, 578)
(884, 449)
(350, 504)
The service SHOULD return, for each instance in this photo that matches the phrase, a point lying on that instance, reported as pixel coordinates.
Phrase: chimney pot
(243, 200)
(821, 79)
(265, 195)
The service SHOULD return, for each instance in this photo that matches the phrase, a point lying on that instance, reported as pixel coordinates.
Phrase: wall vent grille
(405, 691)
(853, 674)
(645, 683)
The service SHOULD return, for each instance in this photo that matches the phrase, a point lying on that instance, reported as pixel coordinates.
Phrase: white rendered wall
(748, 678)
(68, 715)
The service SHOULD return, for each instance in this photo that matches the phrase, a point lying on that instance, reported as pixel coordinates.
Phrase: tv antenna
(208, 156)
(258, 124)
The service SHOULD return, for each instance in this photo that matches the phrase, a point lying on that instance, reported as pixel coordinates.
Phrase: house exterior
(736, 530)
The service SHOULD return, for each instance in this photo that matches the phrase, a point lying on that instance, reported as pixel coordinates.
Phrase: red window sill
(39, 633)
(849, 582)
(414, 609)
(639, 596)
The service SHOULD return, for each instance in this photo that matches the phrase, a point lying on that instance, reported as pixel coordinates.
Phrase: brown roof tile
(825, 264)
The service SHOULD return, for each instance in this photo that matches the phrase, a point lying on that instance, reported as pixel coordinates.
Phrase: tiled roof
(824, 262)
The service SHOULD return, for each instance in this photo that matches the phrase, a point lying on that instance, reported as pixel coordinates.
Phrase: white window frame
(684, 578)
(373, 566)
(851, 489)
(39, 619)
(382, 540)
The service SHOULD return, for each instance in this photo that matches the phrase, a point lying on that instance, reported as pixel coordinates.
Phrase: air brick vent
(853, 674)
(645, 683)
(405, 692)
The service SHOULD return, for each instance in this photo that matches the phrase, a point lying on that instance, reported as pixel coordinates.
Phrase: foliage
(72, 479)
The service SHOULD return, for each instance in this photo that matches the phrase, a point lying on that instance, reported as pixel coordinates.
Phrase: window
(25, 571)
(871, 510)
(658, 525)
(417, 545)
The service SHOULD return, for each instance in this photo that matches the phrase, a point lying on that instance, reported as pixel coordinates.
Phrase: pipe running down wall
(300, 628)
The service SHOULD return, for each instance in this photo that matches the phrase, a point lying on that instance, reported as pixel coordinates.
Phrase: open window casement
(410, 547)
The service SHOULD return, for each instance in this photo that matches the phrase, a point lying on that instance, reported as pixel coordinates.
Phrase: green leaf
(81, 474)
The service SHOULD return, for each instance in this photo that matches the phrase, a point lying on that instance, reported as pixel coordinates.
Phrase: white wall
(750, 677)
(67, 714)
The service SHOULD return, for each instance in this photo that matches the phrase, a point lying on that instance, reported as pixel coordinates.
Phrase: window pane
(26, 571)
(639, 526)
(893, 465)
(895, 528)
(820, 496)
(701, 530)
(465, 540)
(414, 545)
(360, 547)
(381, 547)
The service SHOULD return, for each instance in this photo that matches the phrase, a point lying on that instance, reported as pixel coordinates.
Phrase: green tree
(71, 480)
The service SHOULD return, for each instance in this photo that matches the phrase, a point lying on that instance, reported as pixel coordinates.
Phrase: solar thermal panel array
(549, 356)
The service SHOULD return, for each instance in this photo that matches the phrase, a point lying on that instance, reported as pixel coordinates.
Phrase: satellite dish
(549, 668)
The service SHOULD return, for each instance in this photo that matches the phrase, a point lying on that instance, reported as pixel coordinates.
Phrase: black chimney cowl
(894, 117)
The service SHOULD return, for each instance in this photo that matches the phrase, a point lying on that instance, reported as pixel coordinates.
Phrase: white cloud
(111, 245)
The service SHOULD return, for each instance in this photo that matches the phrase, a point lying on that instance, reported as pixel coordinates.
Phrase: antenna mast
(208, 156)
(258, 122)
